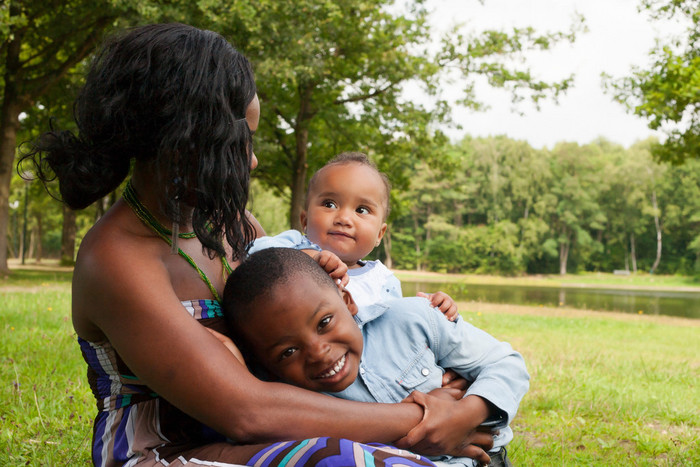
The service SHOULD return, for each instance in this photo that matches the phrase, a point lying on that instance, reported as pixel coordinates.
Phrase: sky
(618, 37)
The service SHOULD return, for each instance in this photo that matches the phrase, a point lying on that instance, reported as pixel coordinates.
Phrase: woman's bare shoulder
(116, 258)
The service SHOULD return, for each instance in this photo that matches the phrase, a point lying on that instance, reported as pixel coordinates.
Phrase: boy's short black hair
(354, 157)
(254, 281)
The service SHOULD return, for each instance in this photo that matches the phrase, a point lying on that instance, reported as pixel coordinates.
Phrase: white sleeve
(288, 239)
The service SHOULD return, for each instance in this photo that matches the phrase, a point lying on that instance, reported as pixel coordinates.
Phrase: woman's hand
(229, 345)
(449, 427)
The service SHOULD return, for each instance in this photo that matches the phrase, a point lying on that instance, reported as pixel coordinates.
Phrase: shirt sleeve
(498, 372)
(288, 239)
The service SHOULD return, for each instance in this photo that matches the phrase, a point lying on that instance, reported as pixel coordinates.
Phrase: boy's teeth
(336, 368)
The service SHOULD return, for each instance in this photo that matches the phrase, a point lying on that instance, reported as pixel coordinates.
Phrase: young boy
(289, 317)
(347, 204)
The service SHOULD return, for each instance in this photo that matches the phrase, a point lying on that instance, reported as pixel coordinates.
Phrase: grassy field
(606, 389)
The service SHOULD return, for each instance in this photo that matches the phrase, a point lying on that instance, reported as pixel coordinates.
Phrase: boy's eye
(286, 353)
(325, 321)
(329, 204)
(362, 210)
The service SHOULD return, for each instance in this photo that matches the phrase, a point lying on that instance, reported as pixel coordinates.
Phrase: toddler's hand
(335, 268)
(442, 302)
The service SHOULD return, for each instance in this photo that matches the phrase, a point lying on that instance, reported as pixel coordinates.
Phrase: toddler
(347, 204)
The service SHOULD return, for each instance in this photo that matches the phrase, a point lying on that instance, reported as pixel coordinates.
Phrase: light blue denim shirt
(408, 347)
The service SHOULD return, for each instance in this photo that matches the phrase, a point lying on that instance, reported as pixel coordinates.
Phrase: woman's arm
(123, 289)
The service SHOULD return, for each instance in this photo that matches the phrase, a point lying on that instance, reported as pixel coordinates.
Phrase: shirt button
(425, 372)
(362, 371)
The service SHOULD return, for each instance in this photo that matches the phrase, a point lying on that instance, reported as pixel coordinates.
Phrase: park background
(383, 78)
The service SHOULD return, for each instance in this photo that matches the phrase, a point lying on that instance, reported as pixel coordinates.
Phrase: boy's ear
(349, 301)
(302, 218)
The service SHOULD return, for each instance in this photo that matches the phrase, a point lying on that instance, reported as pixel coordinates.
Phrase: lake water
(649, 302)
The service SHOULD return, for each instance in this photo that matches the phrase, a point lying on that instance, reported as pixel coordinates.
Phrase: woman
(181, 104)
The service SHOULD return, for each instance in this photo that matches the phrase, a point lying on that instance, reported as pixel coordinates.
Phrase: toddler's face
(306, 336)
(345, 211)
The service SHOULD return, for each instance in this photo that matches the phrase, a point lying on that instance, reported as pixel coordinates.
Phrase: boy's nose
(318, 350)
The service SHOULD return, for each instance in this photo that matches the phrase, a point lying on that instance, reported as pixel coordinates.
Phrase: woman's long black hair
(176, 97)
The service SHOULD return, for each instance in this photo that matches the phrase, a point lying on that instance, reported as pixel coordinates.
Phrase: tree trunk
(387, 250)
(68, 237)
(657, 224)
(564, 248)
(457, 215)
(299, 178)
(9, 124)
(633, 253)
(39, 234)
(99, 209)
(416, 241)
(13, 235)
(32, 244)
(300, 166)
(427, 233)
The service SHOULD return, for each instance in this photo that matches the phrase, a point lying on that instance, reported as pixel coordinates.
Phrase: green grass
(598, 279)
(606, 389)
(36, 278)
(46, 407)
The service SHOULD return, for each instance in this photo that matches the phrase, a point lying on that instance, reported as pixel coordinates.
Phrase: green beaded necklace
(147, 218)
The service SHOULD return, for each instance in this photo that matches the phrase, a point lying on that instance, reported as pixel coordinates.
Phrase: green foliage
(667, 93)
(332, 77)
(494, 205)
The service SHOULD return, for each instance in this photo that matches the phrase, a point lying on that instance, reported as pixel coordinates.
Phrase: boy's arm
(498, 372)
(499, 378)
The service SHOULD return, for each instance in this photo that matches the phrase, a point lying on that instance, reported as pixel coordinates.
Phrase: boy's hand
(442, 302)
(449, 427)
(330, 263)
(453, 381)
(450, 394)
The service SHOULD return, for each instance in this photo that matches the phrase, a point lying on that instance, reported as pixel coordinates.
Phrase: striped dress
(135, 426)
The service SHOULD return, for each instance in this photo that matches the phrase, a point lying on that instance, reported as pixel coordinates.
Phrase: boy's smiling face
(305, 335)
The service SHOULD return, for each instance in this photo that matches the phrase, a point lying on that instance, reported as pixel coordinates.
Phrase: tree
(331, 77)
(36, 52)
(575, 211)
(41, 43)
(668, 92)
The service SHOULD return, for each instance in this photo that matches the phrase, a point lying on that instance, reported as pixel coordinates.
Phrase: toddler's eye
(362, 210)
(329, 204)
(325, 321)
(287, 353)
